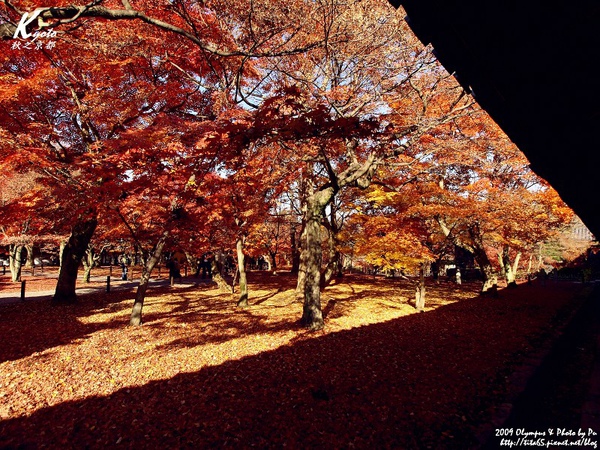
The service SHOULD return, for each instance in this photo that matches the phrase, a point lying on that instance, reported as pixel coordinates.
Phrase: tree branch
(52, 17)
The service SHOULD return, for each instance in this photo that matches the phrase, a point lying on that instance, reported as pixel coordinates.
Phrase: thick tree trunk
(312, 316)
(73, 251)
(15, 258)
(241, 258)
(140, 295)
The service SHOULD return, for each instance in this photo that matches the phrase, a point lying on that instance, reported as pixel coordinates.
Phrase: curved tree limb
(52, 17)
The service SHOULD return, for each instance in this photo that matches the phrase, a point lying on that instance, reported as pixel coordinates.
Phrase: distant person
(206, 269)
(123, 262)
(176, 269)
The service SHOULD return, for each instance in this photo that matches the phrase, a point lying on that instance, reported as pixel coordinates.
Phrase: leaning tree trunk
(140, 295)
(241, 258)
(333, 265)
(215, 269)
(71, 259)
(15, 258)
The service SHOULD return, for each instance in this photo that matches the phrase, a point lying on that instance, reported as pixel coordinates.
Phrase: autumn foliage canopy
(315, 134)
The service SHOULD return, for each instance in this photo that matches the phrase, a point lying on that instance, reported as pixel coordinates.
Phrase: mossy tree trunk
(312, 316)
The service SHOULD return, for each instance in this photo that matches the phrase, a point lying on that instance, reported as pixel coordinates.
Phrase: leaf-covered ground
(44, 279)
(201, 373)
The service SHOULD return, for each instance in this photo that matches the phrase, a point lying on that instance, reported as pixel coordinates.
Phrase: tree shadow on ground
(420, 381)
(21, 334)
(340, 298)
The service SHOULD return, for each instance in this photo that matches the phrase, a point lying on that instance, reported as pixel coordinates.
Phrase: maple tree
(237, 203)
(272, 236)
(19, 226)
(121, 89)
(334, 91)
(481, 193)
(344, 94)
(200, 127)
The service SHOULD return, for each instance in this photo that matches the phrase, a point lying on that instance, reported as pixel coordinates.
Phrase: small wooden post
(23, 290)
(108, 283)
(172, 280)
(110, 270)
